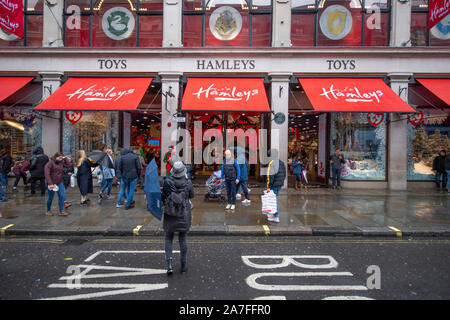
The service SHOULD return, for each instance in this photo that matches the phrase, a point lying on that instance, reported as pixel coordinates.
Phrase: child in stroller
(214, 187)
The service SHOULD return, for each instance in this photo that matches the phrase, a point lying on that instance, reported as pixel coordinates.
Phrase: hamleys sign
(98, 94)
(225, 94)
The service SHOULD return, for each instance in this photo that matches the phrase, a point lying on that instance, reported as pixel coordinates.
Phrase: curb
(225, 230)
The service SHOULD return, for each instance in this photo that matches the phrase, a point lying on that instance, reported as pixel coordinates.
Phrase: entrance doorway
(304, 140)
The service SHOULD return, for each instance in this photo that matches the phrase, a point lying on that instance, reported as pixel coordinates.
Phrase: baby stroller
(214, 187)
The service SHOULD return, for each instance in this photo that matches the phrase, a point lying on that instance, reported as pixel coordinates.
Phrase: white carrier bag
(269, 198)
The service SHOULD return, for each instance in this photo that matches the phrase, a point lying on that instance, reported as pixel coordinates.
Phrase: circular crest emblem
(442, 29)
(118, 23)
(225, 23)
(335, 22)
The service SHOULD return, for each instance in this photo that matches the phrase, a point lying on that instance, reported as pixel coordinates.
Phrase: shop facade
(384, 148)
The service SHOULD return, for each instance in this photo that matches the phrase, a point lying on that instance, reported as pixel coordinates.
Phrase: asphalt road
(292, 268)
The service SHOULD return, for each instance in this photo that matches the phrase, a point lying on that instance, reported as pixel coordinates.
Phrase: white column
(280, 103)
(53, 21)
(169, 107)
(172, 19)
(400, 24)
(51, 123)
(398, 136)
(281, 23)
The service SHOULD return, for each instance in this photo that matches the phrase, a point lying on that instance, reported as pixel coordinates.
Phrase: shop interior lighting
(14, 124)
(211, 4)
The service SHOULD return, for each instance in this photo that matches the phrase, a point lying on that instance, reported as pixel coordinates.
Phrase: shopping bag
(72, 181)
(269, 202)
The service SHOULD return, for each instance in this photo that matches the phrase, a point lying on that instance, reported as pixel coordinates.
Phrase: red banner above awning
(225, 94)
(97, 94)
(352, 95)
(437, 10)
(11, 16)
(9, 85)
(439, 87)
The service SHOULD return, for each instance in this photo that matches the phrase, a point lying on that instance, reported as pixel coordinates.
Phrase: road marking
(266, 229)
(398, 231)
(136, 230)
(2, 230)
(93, 256)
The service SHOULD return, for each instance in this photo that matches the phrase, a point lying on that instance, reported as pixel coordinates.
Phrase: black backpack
(175, 204)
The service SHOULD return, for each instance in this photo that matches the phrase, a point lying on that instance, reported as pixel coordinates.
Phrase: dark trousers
(336, 177)
(182, 239)
(230, 186)
(243, 185)
(33, 185)
(18, 176)
(441, 177)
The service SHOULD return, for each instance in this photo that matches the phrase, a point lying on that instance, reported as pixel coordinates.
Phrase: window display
(362, 139)
(426, 137)
(439, 35)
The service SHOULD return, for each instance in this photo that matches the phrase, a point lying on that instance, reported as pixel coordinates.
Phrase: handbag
(269, 202)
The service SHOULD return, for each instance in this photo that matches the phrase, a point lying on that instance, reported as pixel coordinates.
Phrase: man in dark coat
(5, 166)
(37, 163)
(440, 171)
(128, 170)
(177, 182)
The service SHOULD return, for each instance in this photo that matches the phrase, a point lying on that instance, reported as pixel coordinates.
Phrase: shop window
(362, 139)
(340, 23)
(17, 130)
(439, 35)
(33, 27)
(425, 140)
(223, 23)
(113, 23)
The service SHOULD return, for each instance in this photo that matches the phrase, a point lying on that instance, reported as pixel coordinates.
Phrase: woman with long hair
(84, 175)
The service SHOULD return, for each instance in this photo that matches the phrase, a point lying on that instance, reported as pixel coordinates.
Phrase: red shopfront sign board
(437, 10)
(225, 94)
(11, 16)
(439, 87)
(352, 95)
(9, 85)
(97, 94)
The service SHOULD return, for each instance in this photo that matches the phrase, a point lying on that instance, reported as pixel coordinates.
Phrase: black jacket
(447, 162)
(6, 163)
(178, 224)
(128, 165)
(84, 177)
(37, 163)
(277, 174)
(439, 164)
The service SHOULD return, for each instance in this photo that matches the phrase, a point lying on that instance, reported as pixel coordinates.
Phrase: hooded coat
(84, 177)
(128, 165)
(54, 170)
(178, 224)
(37, 163)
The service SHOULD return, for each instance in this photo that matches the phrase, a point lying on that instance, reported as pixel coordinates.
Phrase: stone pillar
(51, 120)
(280, 103)
(398, 136)
(172, 20)
(281, 23)
(53, 22)
(169, 107)
(400, 24)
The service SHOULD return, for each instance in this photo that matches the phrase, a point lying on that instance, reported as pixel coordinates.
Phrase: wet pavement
(312, 211)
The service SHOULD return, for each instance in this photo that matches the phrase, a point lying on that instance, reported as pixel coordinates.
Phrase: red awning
(225, 94)
(352, 95)
(97, 94)
(439, 87)
(9, 85)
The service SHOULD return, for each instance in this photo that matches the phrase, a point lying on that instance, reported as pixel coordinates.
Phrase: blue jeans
(61, 197)
(336, 176)
(130, 186)
(276, 190)
(448, 180)
(2, 193)
(230, 186)
(243, 185)
(441, 176)
(107, 183)
(4, 179)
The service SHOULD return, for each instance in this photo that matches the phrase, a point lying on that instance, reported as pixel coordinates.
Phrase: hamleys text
(226, 93)
(100, 94)
(351, 94)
